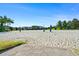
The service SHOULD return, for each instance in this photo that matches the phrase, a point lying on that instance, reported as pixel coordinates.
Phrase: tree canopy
(5, 22)
(66, 25)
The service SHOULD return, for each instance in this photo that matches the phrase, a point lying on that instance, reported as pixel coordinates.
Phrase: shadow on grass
(4, 50)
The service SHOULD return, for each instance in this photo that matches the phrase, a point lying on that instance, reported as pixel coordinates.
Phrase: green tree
(64, 24)
(59, 24)
(4, 21)
(69, 25)
(75, 23)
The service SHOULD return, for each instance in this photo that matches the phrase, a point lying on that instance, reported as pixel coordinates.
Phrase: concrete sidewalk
(32, 50)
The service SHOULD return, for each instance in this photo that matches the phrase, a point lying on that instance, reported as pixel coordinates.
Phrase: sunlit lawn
(10, 43)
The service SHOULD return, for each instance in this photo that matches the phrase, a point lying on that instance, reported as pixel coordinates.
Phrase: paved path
(31, 50)
(57, 43)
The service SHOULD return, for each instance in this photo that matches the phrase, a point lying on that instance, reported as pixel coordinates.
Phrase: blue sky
(26, 14)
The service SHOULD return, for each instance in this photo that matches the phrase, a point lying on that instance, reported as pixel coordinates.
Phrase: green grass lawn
(4, 45)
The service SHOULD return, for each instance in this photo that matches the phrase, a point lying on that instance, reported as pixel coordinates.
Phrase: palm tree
(4, 21)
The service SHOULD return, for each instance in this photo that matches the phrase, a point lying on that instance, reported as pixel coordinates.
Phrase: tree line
(67, 25)
(34, 27)
(60, 25)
